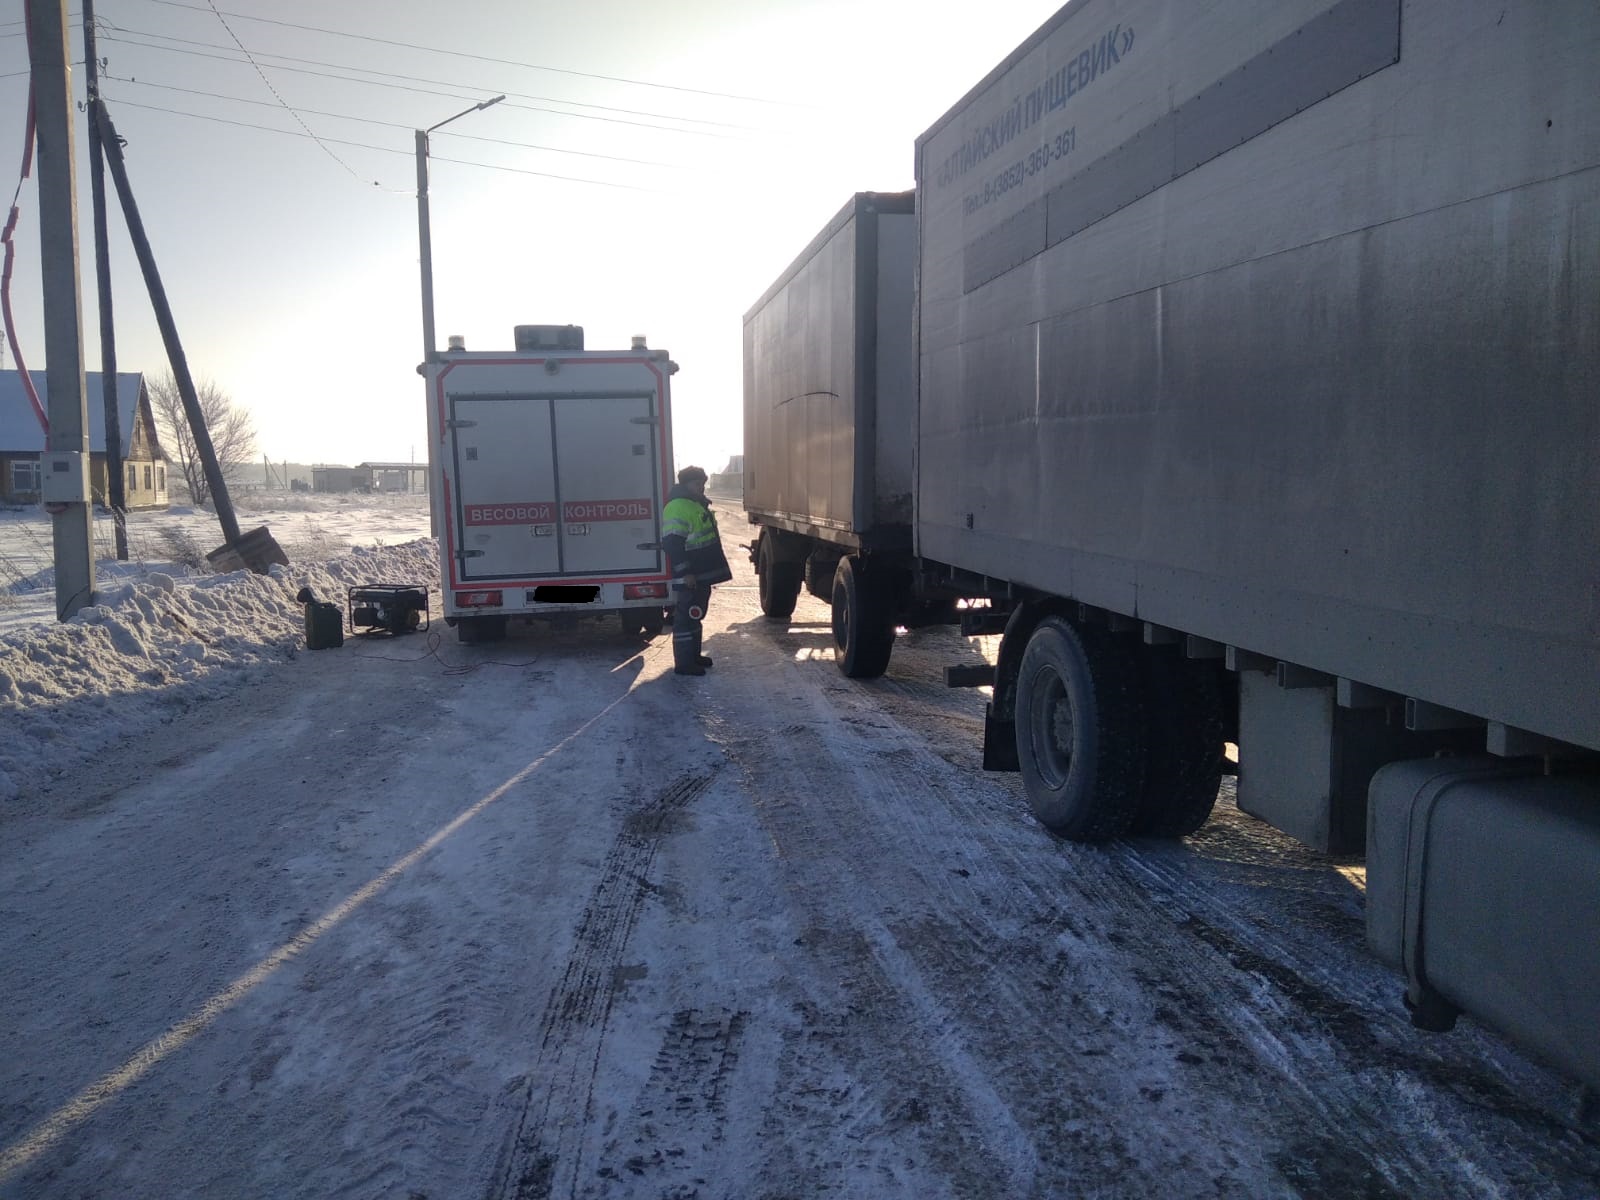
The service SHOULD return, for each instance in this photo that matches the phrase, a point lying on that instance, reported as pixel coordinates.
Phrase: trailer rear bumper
(555, 597)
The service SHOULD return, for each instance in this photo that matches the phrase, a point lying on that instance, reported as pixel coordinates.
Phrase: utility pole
(169, 328)
(424, 230)
(64, 486)
(425, 246)
(116, 493)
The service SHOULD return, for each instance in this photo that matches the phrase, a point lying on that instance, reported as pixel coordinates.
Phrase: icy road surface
(540, 919)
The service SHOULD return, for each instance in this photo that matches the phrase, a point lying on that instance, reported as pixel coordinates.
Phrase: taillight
(479, 599)
(644, 591)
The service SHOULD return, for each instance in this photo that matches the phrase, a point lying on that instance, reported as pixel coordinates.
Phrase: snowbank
(153, 646)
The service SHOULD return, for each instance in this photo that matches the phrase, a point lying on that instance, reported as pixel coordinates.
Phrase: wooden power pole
(116, 493)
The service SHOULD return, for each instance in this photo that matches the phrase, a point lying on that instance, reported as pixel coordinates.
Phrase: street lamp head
(464, 112)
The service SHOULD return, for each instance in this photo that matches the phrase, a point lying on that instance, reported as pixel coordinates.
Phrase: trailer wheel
(472, 630)
(1183, 743)
(863, 620)
(1080, 730)
(779, 581)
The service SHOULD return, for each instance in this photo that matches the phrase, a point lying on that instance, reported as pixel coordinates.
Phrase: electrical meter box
(62, 478)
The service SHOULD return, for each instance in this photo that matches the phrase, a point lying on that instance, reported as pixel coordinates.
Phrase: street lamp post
(424, 236)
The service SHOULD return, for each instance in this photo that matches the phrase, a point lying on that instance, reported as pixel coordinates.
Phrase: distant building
(730, 478)
(397, 477)
(22, 440)
(340, 479)
(371, 477)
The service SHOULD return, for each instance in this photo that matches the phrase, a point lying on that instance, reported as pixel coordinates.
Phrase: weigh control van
(548, 466)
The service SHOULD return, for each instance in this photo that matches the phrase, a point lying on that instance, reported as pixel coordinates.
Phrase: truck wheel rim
(1052, 732)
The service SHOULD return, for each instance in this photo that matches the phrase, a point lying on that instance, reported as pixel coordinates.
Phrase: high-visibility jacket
(690, 538)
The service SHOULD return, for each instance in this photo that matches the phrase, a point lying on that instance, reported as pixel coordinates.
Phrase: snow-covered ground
(165, 627)
(540, 919)
(310, 528)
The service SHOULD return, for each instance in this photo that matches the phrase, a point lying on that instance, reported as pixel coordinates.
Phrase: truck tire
(653, 621)
(470, 631)
(1080, 730)
(1184, 743)
(779, 580)
(863, 620)
(632, 621)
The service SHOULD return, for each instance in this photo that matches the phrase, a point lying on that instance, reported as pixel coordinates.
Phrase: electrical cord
(10, 259)
(434, 641)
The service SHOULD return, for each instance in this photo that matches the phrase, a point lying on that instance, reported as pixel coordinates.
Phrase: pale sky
(292, 263)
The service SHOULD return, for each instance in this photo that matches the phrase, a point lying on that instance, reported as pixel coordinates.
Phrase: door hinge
(469, 553)
(648, 546)
(459, 423)
(644, 420)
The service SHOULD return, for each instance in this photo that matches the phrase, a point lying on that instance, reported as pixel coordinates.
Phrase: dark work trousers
(686, 628)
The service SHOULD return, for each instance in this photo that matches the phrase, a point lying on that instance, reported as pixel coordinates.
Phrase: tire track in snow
(1269, 1043)
(936, 973)
(869, 996)
(541, 1157)
(681, 1112)
(1451, 1097)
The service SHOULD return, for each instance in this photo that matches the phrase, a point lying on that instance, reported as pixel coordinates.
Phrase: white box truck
(548, 467)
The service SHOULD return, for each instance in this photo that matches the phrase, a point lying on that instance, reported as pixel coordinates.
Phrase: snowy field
(175, 541)
(167, 632)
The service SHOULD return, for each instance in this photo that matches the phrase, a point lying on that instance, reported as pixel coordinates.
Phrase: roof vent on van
(548, 337)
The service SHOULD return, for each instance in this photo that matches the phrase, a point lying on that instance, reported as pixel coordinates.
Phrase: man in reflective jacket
(689, 536)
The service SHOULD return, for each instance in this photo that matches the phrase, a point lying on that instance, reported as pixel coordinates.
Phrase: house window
(133, 478)
(147, 484)
(24, 475)
(161, 479)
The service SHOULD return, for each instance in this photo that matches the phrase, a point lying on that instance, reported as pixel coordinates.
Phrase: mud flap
(999, 742)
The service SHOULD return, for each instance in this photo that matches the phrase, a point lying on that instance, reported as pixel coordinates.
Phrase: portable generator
(392, 608)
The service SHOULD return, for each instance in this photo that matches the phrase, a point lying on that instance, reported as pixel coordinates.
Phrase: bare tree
(233, 433)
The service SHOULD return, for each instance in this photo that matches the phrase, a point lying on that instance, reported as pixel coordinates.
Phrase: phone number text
(1025, 168)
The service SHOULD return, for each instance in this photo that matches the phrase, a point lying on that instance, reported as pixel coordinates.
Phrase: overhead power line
(281, 101)
(504, 62)
(165, 87)
(629, 187)
(463, 92)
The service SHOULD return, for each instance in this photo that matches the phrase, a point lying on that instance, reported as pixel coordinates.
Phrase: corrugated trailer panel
(896, 365)
(800, 403)
(828, 376)
(1290, 339)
